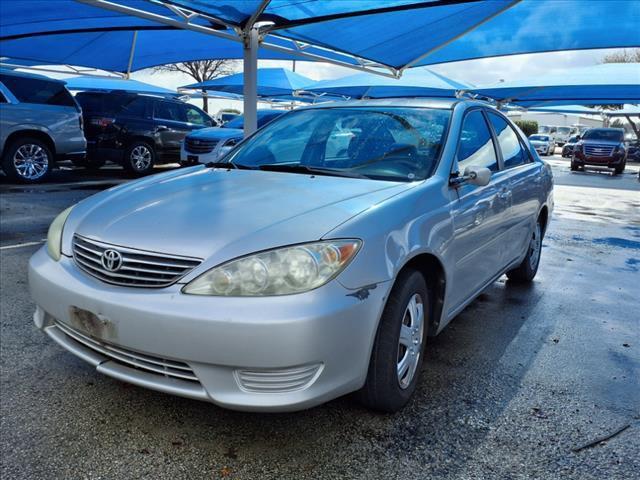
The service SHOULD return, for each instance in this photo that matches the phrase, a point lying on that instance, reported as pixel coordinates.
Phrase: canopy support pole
(131, 53)
(250, 87)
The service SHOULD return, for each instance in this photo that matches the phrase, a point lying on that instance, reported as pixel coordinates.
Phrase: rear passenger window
(34, 90)
(512, 151)
(170, 111)
(135, 108)
(476, 147)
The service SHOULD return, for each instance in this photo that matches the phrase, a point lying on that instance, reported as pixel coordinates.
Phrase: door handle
(161, 128)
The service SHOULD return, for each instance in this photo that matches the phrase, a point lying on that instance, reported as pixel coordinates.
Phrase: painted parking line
(21, 245)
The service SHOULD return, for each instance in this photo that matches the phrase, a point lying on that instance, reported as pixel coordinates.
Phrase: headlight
(282, 271)
(54, 236)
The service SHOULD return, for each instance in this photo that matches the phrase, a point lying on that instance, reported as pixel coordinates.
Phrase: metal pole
(250, 87)
(131, 54)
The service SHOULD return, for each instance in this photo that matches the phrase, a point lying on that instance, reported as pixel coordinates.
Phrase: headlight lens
(54, 236)
(282, 271)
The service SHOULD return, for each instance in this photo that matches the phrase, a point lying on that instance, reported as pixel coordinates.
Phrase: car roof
(422, 102)
(11, 72)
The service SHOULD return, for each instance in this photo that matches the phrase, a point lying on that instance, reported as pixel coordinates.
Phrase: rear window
(34, 90)
(604, 134)
(111, 104)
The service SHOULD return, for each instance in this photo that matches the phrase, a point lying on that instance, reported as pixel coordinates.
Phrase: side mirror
(480, 176)
(578, 138)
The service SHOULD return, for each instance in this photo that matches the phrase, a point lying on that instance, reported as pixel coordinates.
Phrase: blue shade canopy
(272, 82)
(414, 83)
(110, 84)
(400, 33)
(600, 84)
(394, 33)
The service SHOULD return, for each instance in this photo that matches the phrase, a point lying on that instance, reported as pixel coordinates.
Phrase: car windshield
(544, 129)
(604, 134)
(539, 138)
(573, 139)
(391, 143)
(564, 130)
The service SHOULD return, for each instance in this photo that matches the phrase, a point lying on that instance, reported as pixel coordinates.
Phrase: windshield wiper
(298, 168)
(227, 165)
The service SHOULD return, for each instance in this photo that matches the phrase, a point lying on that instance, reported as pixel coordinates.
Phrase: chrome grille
(156, 365)
(279, 380)
(196, 145)
(594, 150)
(138, 268)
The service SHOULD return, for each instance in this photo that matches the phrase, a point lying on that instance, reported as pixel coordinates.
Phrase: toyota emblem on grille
(111, 260)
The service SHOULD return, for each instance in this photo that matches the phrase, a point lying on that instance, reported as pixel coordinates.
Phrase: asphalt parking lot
(514, 388)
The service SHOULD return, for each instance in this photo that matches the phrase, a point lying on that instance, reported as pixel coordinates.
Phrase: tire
(526, 271)
(139, 158)
(619, 170)
(27, 160)
(385, 389)
(574, 167)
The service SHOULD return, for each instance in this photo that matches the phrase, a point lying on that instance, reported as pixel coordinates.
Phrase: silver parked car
(313, 262)
(544, 144)
(40, 123)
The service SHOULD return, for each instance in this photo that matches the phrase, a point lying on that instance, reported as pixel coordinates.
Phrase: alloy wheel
(410, 341)
(31, 161)
(140, 158)
(534, 246)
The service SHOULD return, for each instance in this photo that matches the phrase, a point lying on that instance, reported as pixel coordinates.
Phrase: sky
(478, 72)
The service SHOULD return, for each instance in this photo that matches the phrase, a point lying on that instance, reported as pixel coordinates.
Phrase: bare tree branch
(200, 71)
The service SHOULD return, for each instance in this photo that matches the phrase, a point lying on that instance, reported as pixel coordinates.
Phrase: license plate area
(92, 324)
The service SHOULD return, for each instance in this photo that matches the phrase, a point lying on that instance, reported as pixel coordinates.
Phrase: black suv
(136, 131)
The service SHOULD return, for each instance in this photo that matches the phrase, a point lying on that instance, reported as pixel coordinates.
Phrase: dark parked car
(136, 131)
(633, 151)
(567, 149)
(602, 147)
(40, 123)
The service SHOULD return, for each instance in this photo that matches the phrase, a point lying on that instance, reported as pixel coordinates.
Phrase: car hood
(224, 213)
(216, 133)
(613, 143)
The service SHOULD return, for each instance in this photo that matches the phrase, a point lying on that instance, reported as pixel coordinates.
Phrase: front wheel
(27, 160)
(620, 168)
(526, 271)
(399, 345)
(139, 158)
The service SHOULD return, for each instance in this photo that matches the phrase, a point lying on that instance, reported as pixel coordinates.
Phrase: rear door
(478, 212)
(171, 126)
(522, 181)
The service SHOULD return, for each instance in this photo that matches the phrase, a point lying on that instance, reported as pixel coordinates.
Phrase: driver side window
(475, 146)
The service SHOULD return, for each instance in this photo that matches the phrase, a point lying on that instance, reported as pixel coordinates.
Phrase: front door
(478, 213)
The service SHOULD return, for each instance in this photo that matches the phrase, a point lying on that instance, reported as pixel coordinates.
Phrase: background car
(40, 123)
(601, 147)
(563, 134)
(567, 149)
(544, 144)
(210, 144)
(633, 151)
(136, 131)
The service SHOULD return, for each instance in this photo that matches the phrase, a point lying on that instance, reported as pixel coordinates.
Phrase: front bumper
(611, 161)
(233, 346)
(189, 159)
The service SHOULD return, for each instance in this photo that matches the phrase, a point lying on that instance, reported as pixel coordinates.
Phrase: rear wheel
(526, 271)
(139, 158)
(398, 349)
(27, 160)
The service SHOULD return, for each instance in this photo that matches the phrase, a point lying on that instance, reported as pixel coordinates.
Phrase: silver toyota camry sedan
(315, 260)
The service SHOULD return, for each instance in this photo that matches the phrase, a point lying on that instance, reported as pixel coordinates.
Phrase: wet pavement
(522, 378)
